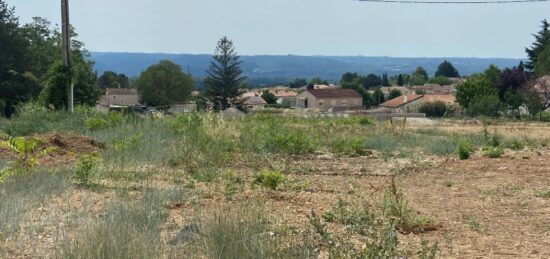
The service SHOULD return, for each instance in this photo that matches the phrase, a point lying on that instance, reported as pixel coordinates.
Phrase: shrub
(85, 169)
(365, 121)
(270, 179)
(515, 144)
(434, 109)
(493, 152)
(95, 124)
(360, 219)
(464, 149)
(291, 142)
(348, 147)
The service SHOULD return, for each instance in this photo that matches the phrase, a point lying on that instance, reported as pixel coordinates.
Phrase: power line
(453, 2)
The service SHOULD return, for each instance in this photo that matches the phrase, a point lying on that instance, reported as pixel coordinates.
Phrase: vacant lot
(196, 185)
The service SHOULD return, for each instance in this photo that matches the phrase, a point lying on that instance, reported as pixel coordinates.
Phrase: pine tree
(542, 39)
(400, 80)
(225, 80)
(385, 80)
(446, 69)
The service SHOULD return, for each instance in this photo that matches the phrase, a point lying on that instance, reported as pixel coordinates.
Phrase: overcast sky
(300, 27)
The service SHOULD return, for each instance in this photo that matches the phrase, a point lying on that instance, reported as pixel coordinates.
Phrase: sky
(298, 27)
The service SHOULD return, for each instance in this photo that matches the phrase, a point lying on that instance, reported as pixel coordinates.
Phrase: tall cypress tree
(400, 80)
(225, 80)
(542, 39)
(385, 80)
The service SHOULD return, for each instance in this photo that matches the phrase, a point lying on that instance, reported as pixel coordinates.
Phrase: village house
(412, 103)
(118, 98)
(403, 104)
(255, 103)
(330, 99)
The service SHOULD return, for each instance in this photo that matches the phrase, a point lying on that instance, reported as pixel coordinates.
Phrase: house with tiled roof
(255, 103)
(330, 99)
(403, 104)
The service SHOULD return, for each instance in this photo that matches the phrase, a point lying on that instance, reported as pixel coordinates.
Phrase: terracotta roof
(121, 91)
(255, 100)
(446, 98)
(401, 100)
(334, 93)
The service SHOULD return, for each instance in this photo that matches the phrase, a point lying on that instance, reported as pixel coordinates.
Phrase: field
(90, 185)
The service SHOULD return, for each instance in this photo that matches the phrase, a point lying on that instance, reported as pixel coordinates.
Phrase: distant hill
(285, 68)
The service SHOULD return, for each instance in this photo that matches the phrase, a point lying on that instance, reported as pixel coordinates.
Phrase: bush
(515, 144)
(95, 124)
(434, 109)
(365, 121)
(493, 152)
(85, 169)
(464, 149)
(352, 147)
(269, 179)
(291, 142)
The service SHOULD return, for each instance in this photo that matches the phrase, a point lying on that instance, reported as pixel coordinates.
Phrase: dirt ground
(486, 208)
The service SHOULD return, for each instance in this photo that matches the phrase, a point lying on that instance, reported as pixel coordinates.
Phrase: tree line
(496, 92)
(31, 67)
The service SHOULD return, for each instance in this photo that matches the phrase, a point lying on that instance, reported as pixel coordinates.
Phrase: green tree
(394, 93)
(15, 89)
(400, 81)
(356, 85)
(434, 109)
(419, 77)
(371, 80)
(164, 84)
(542, 67)
(493, 74)
(318, 81)
(385, 80)
(58, 80)
(13, 45)
(542, 40)
(479, 96)
(298, 82)
(269, 97)
(225, 81)
(378, 97)
(110, 79)
(446, 69)
(440, 80)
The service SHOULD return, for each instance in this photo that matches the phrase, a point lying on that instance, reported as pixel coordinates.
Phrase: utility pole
(66, 48)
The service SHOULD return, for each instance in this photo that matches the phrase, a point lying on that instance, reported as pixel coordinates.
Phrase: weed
(233, 183)
(448, 183)
(365, 121)
(543, 194)
(129, 229)
(394, 206)
(464, 149)
(94, 124)
(243, 232)
(270, 179)
(493, 152)
(354, 147)
(472, 222)
(358, 219)
(22, 193)
(515, 144)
